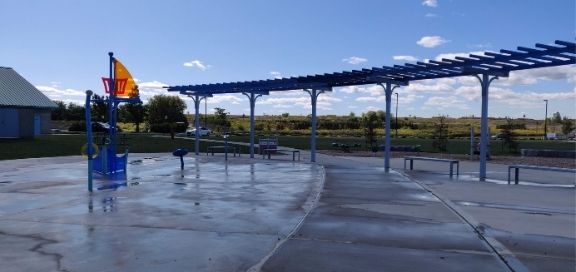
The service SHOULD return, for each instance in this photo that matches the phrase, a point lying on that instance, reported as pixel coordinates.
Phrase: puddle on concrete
(424, 197)
(525, 209)
(505, 182)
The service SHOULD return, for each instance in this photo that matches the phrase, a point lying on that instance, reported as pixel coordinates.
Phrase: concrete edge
(311, 203)
(506, 256)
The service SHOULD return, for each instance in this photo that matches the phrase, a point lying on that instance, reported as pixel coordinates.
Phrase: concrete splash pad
(213, 216)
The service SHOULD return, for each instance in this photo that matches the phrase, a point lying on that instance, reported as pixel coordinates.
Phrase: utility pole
(546, 121)
(396, 115)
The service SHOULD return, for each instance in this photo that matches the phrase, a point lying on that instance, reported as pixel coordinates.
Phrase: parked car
(202, 131)
(103, 127)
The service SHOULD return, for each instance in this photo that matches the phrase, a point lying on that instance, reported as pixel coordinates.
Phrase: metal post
(485, 83)
(226, 146)
(388, 92)
(88, 117)
(314, 93)
(111, 148)
(196, 99)
(546, 121)
(205, 111)
(396, 115)
(471, 142)
(252, 98)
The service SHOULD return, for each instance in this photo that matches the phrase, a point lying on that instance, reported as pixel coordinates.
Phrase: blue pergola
(486, 68)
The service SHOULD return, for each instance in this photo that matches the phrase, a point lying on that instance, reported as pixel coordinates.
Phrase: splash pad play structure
(103, 157)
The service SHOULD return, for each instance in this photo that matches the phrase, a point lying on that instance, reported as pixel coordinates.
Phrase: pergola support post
(485, 81)
(314, 93)
(197, 98)
(252, 98)
(388, 93)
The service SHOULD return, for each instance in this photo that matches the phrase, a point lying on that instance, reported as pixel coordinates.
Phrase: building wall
(46, 117)
(26, 119)
(19, 123)
(9, 123)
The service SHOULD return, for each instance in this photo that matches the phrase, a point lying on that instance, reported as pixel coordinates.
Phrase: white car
(202, 132)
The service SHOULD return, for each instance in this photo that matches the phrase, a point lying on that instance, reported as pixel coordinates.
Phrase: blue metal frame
(491, 64)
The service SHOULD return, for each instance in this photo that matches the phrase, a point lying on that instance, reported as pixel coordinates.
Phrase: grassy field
(66, 145)
(455, 146)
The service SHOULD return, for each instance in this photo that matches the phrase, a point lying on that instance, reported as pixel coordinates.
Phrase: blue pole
(252, 105)
(197, 124)
(484, 130)
(88, 118)
(388, 92)
(111, 158)
(484, 126)
(314, 97)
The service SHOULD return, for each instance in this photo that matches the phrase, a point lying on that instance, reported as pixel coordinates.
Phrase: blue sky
(61, 47)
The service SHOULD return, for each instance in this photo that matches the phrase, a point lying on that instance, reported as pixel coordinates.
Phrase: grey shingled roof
(16, 91)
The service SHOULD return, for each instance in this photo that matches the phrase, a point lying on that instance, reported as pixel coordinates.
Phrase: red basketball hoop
(120, 85)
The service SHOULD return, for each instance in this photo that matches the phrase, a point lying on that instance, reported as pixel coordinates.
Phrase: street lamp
(546, 120)
(205, 110)
(396, 115)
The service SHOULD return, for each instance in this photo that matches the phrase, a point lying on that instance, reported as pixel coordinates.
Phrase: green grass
(66, 145)
(455, 146)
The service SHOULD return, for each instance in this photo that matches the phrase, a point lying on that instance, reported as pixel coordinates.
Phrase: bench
(210, 149)
(534, 167)
(268, 143)
(451, 161)
(269, 151)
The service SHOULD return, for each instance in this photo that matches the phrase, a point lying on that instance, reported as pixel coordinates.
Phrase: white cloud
(431, 41)
(532, 76)
(276, 74)
(354, 60)
(64, 95)
(373, 90)
(324, 102)
(430, 3)
(372, 108)
(431, 15)
(225, 98)
(450, 102)
(437, 86)
(405, 58)
(152, 85)
(197, 64)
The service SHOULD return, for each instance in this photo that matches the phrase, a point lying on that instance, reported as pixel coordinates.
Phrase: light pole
(396, 115)
(546, 120)
(205, 111)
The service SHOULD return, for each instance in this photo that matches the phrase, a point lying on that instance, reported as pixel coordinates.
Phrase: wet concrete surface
(368, 220)
(213, 216)
(536, 224)
(264, 215)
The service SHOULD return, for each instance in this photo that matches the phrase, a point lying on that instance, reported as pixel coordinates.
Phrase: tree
(371, 122)
(133, 113)
(74, 112)
(221, 118)
(567, 125)
(557, 118)
(99, 108)
(440, 135)
(508, 136)
(166, 114)
(59, 113)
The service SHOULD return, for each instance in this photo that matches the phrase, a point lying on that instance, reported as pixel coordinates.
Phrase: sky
(61, 47)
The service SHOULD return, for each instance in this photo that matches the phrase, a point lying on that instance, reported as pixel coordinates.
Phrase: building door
(37, 124)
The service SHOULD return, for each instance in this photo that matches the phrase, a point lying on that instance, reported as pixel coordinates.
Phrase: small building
(24, 110)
